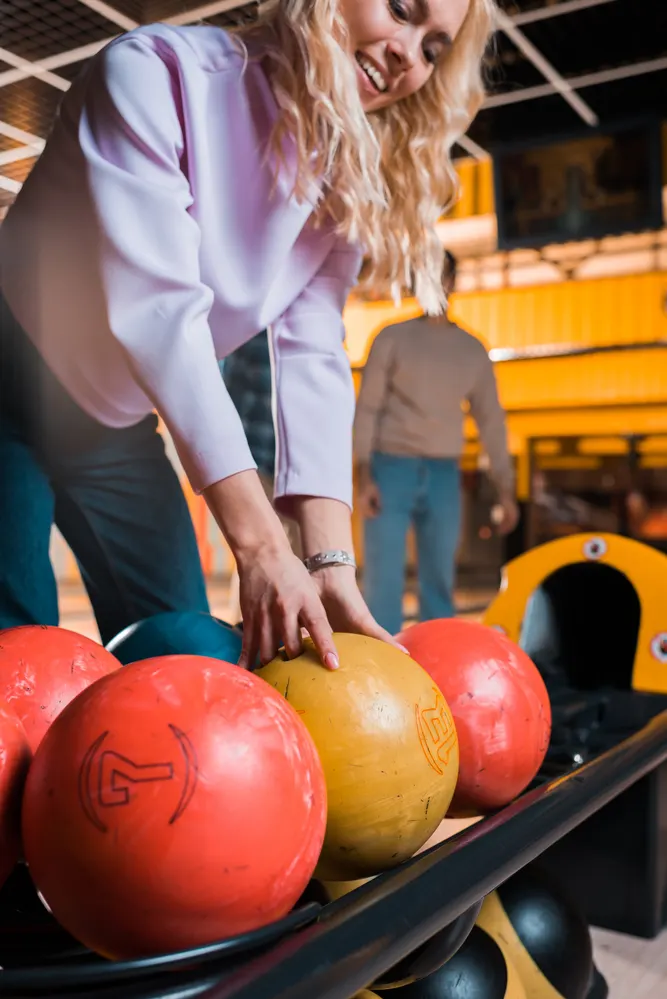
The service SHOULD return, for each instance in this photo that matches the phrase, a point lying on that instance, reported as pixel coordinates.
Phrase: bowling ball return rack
(624, 844)
(396, 924)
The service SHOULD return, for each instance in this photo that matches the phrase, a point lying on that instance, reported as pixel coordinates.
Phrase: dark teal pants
(113, 494)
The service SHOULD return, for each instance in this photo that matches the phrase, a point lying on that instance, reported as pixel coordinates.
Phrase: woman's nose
(402, 52)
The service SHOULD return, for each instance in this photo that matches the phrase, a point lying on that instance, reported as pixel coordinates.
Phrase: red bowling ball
(176, 802)
(14, 763)
(42, 668)
(499, 703)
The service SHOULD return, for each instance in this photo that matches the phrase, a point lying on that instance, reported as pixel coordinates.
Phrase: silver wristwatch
(324, 559)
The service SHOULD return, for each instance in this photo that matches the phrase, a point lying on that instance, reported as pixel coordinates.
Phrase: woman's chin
(372, 102)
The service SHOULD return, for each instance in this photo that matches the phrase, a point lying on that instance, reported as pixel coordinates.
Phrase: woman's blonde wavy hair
(388, 175)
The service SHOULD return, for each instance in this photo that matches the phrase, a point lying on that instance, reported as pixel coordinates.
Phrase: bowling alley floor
(634, 968)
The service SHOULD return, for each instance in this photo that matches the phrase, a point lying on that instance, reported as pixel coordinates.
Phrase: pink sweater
(146, 244)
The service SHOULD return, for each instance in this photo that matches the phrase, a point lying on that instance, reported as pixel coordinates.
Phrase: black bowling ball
(543, 934)
(422, 961)
(478, 970)
(599, 988)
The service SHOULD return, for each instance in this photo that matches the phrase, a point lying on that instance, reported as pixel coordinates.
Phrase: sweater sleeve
(131, 138)
(486, 410)
(314, 392)
(374, 385)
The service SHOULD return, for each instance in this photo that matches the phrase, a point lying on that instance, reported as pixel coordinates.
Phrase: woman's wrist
(245, 516)
(325, 525)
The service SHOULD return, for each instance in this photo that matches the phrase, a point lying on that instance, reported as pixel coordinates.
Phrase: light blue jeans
(427, 493)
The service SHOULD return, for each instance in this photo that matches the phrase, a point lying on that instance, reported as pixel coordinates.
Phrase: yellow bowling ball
(388, 746)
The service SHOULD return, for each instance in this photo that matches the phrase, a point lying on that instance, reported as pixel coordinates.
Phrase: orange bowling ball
(42, 668)
(499, 703)
(14, 763)
(176, 802)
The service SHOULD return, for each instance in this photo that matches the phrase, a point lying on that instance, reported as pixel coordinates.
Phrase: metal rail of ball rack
(335, 951)
(378, 925)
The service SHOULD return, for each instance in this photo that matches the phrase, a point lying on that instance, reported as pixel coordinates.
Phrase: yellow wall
(600, 312)
(616, 378)
(476, 195)
(614, 310)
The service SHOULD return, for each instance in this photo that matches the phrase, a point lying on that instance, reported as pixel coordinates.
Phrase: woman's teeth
(372, 73)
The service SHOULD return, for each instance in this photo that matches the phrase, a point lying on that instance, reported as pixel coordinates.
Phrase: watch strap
(322, 560)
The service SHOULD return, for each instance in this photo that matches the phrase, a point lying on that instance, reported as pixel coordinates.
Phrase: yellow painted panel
(485, 197)
(601, 312)
(523, 475)
(618, 310)
(645, 567)
(547, 447)
(476, 195)
(653, 444)
(465, 206)
(603, 445)
(614, 378)
(579, 422)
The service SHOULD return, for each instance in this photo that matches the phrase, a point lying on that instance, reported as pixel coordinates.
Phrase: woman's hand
(278, 598)
(345, 607)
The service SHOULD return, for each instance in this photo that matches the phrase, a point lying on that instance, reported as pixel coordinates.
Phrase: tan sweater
(416, 379)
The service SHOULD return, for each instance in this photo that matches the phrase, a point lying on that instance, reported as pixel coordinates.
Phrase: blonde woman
(199, 186)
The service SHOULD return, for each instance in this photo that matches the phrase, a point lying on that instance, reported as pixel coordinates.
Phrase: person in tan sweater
(408, 437)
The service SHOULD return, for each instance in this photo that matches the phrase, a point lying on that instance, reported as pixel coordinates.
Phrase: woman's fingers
(291, 632)
(370, 627)
(278, 598)
(274, 624)
(365, 624)
(250, 646)
(314, 618)
(269, 635)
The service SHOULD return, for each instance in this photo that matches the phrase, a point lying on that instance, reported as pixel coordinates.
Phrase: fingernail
(331, 661)
(403, 649)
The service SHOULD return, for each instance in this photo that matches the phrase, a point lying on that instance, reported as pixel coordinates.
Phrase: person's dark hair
(449, 267)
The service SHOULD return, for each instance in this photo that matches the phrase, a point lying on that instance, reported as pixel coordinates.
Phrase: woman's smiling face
(397, 43)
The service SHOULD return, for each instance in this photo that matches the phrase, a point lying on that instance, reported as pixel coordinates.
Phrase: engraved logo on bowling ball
(436, 732)
(109, 780)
